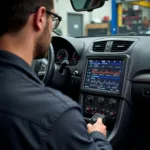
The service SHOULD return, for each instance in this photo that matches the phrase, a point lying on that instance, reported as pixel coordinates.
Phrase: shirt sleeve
(70, 133)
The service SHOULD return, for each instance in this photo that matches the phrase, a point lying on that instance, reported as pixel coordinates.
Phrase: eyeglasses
(56, 18)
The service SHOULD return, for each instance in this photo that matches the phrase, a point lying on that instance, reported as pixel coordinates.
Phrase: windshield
(114, 18)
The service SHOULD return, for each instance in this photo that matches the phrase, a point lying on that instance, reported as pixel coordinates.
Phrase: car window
(114, 18)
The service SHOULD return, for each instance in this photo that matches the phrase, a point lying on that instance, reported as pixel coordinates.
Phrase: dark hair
(14, 14)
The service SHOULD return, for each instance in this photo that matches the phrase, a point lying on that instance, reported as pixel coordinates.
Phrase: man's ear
(40, 18)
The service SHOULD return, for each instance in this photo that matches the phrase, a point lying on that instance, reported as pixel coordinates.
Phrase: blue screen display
(104, 75)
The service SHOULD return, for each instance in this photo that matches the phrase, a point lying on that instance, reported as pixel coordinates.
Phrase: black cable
(87, 119)
(130, 105)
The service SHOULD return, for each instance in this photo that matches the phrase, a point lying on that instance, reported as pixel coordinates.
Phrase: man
(33, 117)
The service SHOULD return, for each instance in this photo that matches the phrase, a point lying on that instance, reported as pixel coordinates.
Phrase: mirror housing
(86, 5)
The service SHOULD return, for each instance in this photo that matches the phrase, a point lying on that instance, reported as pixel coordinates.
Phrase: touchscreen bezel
(96, 91)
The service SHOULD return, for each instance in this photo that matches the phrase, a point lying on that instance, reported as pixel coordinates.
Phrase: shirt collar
(17, 62)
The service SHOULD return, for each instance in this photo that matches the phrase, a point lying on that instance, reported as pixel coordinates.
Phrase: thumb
(89, 125)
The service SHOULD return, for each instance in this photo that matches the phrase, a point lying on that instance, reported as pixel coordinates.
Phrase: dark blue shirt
(35, 117)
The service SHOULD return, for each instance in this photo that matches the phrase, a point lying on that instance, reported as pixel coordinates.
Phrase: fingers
(98, 126)
(99, 121)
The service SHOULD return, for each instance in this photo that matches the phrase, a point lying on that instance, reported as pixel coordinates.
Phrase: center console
(101, 87)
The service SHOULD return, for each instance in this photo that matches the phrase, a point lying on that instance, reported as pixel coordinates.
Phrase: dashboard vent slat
(99, 46)
(120, 46)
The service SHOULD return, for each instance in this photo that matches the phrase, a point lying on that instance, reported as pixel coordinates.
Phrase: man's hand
(98, 126)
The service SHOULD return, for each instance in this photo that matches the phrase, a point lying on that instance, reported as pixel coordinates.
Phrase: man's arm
(70, 133)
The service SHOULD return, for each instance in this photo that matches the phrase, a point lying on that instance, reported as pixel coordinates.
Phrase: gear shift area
(95, 117)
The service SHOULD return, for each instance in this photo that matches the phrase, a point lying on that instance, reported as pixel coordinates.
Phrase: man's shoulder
(53, 104)
(59, 99)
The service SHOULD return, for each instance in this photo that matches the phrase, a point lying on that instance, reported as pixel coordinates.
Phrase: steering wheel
(44, 67)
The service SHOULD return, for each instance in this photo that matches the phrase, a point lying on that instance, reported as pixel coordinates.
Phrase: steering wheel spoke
(44, 68)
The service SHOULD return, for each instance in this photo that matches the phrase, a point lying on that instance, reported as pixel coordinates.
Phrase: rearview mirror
(86, 5)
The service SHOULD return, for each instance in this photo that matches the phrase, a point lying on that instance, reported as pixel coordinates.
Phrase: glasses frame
(56, 17)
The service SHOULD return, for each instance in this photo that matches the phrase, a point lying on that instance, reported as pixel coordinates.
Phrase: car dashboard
(66, 50)
(113, 75)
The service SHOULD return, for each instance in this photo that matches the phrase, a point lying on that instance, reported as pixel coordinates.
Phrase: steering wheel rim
(44, 68)
(50, 66)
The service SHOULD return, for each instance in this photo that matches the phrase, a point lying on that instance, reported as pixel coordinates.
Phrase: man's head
(32, 17)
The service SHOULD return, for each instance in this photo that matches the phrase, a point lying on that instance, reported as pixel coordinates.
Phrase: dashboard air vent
(120, 46)
(99, 46)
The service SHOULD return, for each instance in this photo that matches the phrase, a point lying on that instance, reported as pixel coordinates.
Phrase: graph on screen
(103, 75)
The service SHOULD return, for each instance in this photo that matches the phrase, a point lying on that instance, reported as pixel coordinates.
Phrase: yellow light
(142, 3)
